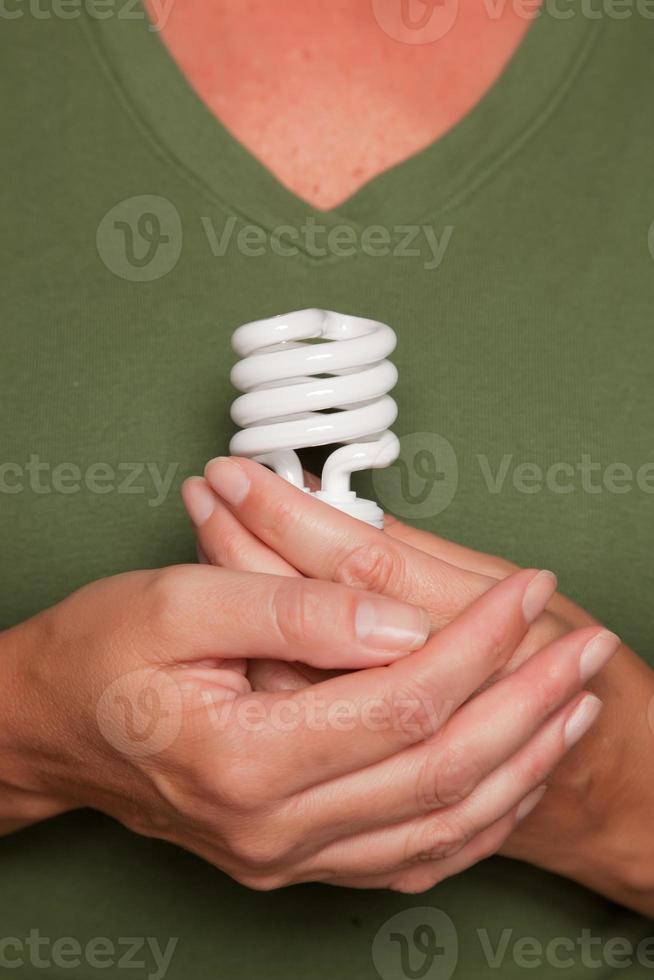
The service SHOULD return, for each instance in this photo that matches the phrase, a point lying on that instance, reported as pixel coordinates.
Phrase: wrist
(594, 823)
(623, 846)
(29, 789)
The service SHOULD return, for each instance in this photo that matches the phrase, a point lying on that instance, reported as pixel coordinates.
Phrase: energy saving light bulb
(315, 378)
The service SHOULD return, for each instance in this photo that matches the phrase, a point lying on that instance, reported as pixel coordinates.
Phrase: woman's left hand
(594, 824)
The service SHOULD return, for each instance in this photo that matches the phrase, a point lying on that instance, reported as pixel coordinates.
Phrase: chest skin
(329, 95)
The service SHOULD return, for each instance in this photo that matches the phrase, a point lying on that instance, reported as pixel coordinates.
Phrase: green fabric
(527, 339)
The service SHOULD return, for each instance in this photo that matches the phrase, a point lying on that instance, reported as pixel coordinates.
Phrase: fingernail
(228, 480)
(537, 594)
(198, 500)
(597, 653)
(530, 802)
(581, 719)
(391, 625)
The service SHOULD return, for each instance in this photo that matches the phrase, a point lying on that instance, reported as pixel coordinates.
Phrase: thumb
(213, 613)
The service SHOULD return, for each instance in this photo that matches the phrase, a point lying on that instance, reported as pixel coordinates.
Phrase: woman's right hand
(390, 776)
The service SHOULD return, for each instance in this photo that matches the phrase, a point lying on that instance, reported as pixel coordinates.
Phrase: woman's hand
(120, 698)
(593, 825)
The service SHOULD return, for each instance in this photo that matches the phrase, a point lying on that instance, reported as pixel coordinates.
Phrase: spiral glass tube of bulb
(316, 378)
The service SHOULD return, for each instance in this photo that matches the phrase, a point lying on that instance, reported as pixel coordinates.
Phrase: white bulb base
(364, 510)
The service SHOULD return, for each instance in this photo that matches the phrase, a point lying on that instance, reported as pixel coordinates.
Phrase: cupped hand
(270, 526)
(387, 776)
(585, 830)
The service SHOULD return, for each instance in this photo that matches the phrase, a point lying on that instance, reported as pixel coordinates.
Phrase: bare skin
(594, 823)
(322, 95)
(274, 787)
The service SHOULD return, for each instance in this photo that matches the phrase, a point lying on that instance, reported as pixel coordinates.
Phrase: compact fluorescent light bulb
(314, 378)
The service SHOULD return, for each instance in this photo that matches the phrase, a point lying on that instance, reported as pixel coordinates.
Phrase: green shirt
(515, 260)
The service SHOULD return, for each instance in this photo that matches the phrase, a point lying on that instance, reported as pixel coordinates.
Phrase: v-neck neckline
(171, 114)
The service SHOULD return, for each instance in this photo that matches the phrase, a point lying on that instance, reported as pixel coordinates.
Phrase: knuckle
(496, 641)
(185, 787)
(230, 550)
(263, 883)
(536, 767)
(552, 683)
(410, 884)
(296, 611)
(276, 517)
(440, 839)
(372, 567)
(169, 592)
(492, 846)
(276, 676)
(259, 849)
(447, 779)
(237, 785)
(414, 713)
(241, 787)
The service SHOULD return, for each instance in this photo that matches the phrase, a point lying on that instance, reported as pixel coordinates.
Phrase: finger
(358, 719)
(222, 539)
(420, 876)
(445, 833)
(323, 543)
(456, 554)
(275, 675)
(311, 480)
(481, 736)
(449, 551)
(424, 875)
(492, 566)
(214, 613)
